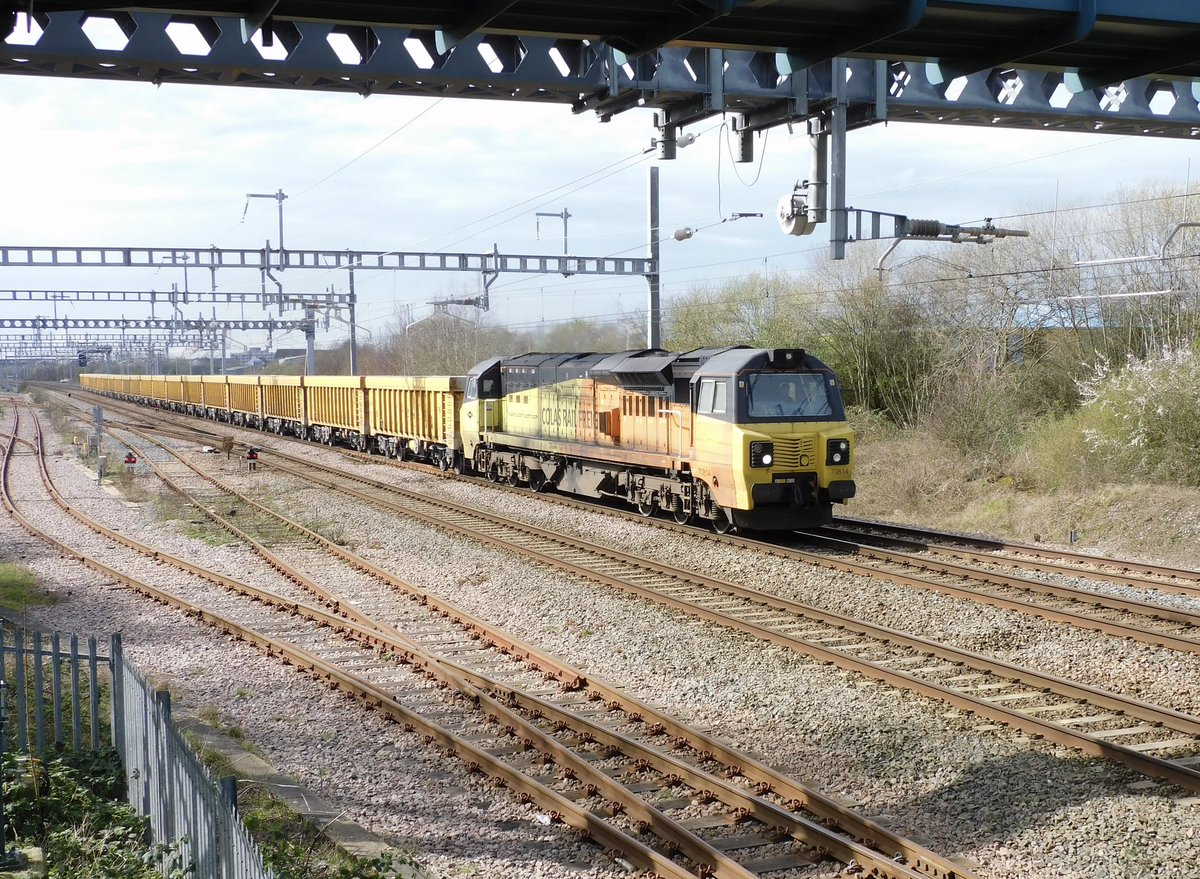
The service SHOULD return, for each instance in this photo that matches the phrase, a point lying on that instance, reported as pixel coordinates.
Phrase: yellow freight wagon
(215, 398)
(193, 391)
(334, 409)
(245, 400)
(283, 404)
(415, 415)
(174, 390)
(140, 386)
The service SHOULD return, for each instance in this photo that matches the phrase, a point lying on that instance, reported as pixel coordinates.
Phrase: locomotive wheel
(514, 479)
(722, 524)
(647, 506)
(493, 474)
(537, 480)
(681, 516)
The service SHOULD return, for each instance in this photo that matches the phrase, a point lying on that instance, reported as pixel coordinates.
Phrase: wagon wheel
(646, 505)
(443, 463)
(537, 480)
(722, 524)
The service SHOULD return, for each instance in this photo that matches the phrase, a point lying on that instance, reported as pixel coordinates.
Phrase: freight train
(741, 437)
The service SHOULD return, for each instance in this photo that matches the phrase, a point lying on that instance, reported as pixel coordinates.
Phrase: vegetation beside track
(19, 589)
(72, 807)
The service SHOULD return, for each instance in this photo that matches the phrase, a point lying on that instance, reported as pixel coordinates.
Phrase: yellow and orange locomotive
(745, 437)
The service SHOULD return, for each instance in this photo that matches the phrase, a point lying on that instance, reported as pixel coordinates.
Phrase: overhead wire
(338, 170)
(642, 157)
(831, 293)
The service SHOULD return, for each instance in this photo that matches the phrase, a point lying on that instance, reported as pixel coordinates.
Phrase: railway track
(1024, 556)
(665, 804)
(1158, 742)
(1124, 617)
(1155, 741)
(476, 648)
(1145, 621)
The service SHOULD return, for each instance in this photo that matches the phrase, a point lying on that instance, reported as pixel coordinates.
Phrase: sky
(129, 164)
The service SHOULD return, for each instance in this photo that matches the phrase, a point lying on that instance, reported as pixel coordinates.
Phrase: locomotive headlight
(762, 454)
(837, 452)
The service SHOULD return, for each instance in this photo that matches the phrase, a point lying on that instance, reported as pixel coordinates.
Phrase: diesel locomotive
(740, 437)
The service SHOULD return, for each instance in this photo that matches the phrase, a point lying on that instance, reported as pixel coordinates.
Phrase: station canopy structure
(1120, 66)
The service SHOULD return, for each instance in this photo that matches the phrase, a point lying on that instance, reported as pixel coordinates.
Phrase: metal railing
(56, 692)
(53, 693)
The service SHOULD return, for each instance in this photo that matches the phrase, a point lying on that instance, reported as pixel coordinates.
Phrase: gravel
(1012, 806)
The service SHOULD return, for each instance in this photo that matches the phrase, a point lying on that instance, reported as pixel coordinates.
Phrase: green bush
(1054, 455)
(978, 417)
(72, 807)
(1144, 418)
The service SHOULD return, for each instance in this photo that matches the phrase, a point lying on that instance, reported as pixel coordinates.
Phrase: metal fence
(51, 693)
(55, 694)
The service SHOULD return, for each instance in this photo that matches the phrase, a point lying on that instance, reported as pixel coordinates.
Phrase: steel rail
(622, 844)
(1181, 581)
(1085, 619)
(1181, 640)
(766, 780)
(708, 784)
(1089, 743)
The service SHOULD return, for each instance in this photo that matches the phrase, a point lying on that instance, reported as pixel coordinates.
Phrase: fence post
(39, 697)
(76, 708)
(4, 725)
(228, 785)
(56, 668)
(95, 691)
(4, 859)
(168, 758)
(117, 674)
(21, 694)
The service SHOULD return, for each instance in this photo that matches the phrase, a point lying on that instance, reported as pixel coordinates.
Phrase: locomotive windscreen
(774, 395)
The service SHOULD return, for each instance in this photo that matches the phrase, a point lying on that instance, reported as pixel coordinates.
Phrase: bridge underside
(1106, 41)
(687, 83)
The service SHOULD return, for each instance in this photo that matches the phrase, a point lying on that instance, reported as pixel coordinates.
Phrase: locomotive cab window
(712, 396)
(788, 395)
(481, 389)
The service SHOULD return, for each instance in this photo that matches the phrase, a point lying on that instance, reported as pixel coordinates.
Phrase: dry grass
(912, 478)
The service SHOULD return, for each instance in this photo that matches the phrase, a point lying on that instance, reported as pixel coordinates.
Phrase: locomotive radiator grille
(794, 452)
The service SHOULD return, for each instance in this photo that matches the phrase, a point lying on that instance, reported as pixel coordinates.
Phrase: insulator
(925, 228)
